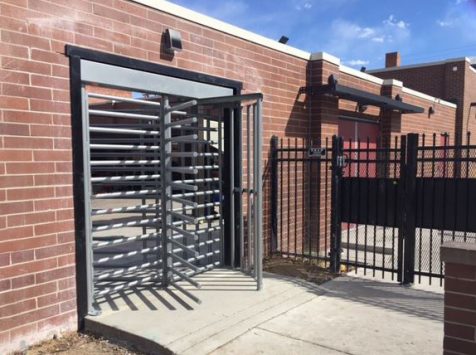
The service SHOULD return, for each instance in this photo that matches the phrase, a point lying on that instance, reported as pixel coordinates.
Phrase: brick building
(40, 290)
(453, 80)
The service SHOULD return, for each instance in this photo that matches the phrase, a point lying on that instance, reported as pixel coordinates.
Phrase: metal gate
(161, 203)
(381, 207)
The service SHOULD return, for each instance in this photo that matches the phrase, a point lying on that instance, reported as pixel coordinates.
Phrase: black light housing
(283, 40)
(173, 41)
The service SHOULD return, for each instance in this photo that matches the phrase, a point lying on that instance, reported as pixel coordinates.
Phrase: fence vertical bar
(401, 201)
(409, 220)
(336, 227)
(274, 193)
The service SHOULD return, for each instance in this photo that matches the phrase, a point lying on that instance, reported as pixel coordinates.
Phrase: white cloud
(443, 23)
(460, 20)
(306, 5)
(379, 39)
(357, 62)
(392, 21)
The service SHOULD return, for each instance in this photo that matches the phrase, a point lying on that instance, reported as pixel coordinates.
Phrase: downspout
(471, 105)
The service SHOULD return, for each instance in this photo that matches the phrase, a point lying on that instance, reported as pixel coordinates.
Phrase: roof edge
(428, 97)
(193, 16)
(420, 65)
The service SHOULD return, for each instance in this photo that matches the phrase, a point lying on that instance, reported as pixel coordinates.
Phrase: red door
(353, 131)
(356, 134)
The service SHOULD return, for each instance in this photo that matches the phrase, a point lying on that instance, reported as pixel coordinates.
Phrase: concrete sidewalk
(349, 315)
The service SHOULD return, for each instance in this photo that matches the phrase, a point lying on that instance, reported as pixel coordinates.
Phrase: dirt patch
(306, 270)
(79, 344)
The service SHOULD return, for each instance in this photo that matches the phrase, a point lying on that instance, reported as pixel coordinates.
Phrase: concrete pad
(360, 316)
(168, 320)
(351, 315)
(260, 341)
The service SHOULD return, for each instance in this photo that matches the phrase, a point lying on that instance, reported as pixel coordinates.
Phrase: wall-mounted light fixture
(362, 108)
(283, 40)
(431, 111)
(173, 41)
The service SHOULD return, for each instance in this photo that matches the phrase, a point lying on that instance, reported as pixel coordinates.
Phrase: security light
(283, 40)
(173, 41)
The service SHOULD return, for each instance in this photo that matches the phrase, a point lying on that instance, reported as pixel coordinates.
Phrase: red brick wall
(37, 281)
(443, 81)
(37, 288)
(460, 298)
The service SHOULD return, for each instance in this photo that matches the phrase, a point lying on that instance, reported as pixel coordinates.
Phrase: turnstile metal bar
(181, 186)
(123, 99)
(104, 211)
(96, 129)
(98, 243)
(115, 114)
(124, 162)
(181, 106)
(187, 138)
(125, 224)
(182, 122)
(184, 262)
(183, 217)
(192, 154)
(184, 201)
(107, 195)
(124, 147)
(186, 248)
(198, 193)
(125, 178)
(118, 256)
(183, 170)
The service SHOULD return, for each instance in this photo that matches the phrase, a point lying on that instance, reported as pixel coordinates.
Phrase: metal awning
(365, 98)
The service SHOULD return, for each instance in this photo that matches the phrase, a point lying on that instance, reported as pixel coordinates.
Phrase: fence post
(400, 208)
(409, 209)
(274, 193)
(336, 221)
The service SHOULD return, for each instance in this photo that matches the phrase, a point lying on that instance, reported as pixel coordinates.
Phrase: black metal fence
(380, 206)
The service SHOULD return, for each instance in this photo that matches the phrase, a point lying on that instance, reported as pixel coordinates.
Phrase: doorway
(157, 162)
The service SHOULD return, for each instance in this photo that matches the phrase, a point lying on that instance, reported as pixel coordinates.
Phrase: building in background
(453, 80)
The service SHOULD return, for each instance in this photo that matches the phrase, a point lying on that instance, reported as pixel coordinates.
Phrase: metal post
(274, 193)
(87, 203)
(231, 188)
(249, 229)
(258, 129)
(336, 223)
(166, 189)
(409, 218)
(401, 203)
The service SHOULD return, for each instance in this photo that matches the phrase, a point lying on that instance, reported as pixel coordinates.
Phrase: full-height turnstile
(158, 174)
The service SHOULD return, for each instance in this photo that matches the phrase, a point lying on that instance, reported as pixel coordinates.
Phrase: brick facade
(460, 298)
(454, 81)
(37, 238)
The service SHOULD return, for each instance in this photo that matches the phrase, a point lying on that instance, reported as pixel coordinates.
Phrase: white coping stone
(419, 65)
(190, 15)
(392, 82)
(428, 97)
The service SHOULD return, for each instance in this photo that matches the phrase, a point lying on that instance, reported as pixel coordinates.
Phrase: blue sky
(359, 32)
